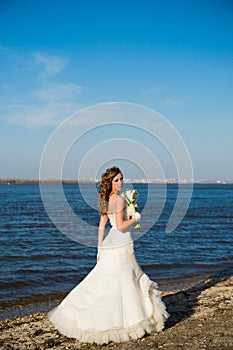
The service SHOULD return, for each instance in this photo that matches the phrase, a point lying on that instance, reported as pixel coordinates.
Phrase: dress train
(115, 302)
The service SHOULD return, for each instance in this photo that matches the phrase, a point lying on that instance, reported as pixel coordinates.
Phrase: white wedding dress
(116, 301)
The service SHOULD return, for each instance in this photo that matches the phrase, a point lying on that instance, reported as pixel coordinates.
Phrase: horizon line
(16, 180)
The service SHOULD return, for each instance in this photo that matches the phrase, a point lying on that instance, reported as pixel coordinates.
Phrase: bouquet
(130, 197)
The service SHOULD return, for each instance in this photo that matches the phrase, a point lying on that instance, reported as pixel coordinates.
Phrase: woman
(116, 301)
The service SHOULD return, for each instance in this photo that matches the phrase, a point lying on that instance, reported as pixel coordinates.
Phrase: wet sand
(201, 318)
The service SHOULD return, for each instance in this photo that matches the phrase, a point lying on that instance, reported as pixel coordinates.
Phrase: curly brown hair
(106, 188)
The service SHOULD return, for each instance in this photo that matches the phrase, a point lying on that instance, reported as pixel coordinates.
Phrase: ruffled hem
(155, 317)
(159, 312)
(154, 323)
(103, 337)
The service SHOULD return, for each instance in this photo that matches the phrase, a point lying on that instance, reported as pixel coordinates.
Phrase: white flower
(130, 197)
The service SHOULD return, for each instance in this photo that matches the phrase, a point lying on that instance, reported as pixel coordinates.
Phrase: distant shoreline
(11, 181)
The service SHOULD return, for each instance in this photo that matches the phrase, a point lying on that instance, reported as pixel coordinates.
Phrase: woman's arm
(121, 224)
(102, 225)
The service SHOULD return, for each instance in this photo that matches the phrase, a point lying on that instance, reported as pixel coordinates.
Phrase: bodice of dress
(116, 238)
(112, 219)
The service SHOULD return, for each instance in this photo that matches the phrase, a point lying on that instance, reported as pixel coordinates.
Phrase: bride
(116, 301)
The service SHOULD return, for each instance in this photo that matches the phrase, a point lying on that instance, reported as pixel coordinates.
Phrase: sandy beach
(201, 318)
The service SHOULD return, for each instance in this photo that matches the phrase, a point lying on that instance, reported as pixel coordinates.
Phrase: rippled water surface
(37, 259)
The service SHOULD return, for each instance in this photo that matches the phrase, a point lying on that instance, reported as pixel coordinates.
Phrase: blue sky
(175, 57)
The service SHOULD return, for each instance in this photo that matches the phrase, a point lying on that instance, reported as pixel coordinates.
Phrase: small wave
(18, 284)
(221, 241)
(162, 266)
(34, 299)
(208, 265)
(13, 257)
(32, 257)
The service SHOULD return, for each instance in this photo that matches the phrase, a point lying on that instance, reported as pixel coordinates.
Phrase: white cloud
(174, 101)
(47, 106)
(152, 91)
(51, 65)
(57, 92)
(6, 51)
(156, 93)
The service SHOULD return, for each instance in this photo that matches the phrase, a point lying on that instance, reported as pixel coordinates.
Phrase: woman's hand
(137, 216)
(98, 254)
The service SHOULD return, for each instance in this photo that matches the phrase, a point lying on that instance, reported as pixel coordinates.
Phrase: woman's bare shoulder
(115, 202)
(116, 198)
